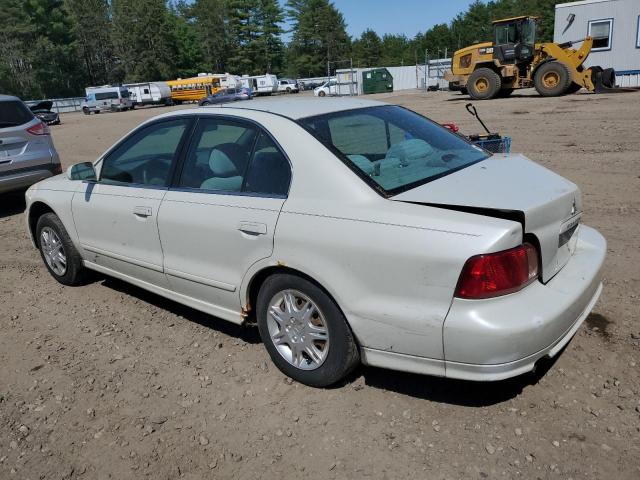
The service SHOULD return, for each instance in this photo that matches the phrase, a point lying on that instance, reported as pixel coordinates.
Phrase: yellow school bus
(196, 88)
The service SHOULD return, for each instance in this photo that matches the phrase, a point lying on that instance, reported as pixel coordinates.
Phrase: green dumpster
(377, 80)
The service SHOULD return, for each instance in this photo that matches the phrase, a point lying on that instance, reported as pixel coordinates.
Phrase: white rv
(106, 98)
(261, 84)
(149, 93)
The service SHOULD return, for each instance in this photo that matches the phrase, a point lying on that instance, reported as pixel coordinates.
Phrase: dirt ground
(109, 381)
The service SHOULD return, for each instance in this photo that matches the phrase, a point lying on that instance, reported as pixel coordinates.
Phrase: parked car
(349, 230)
(27, 154)
(286, 85)
(310, 85)
(327, 88)
(223, 95)
(107, 98)
(43, 111)
(244, 93)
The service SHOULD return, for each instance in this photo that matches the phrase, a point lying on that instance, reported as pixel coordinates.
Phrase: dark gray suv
(27, 154)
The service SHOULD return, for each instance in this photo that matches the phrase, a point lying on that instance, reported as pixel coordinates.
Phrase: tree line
(55, 48)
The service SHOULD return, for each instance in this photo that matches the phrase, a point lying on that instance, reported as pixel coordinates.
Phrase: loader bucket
(604, 80)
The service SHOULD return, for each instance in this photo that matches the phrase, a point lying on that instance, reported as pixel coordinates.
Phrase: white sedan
(351, 231)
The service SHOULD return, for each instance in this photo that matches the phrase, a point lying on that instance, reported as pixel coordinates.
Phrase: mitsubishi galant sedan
(351, 231)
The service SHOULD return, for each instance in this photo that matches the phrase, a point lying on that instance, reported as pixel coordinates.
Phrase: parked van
(261, 84)
(149, 93)
(106, 98)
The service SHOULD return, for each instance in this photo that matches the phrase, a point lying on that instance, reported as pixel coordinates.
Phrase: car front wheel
(58, 252)
(304, 331)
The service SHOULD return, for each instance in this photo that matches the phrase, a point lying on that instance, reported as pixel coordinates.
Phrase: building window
(638, 34)
(602, 32)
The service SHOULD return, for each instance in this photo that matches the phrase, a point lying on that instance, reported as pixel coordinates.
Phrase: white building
(615, 26)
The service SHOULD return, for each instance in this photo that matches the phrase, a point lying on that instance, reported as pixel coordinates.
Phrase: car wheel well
(260, 277)
(35, 212)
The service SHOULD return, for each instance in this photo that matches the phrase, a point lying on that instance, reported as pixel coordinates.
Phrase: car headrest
(221, 165)
(410, 150)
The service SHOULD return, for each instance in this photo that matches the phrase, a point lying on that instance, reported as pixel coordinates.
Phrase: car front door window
(146, 157)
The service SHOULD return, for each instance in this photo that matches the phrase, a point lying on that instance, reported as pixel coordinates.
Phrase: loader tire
(484, 84)
(552, 79)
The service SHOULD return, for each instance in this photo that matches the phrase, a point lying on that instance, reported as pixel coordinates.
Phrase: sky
(397, 16)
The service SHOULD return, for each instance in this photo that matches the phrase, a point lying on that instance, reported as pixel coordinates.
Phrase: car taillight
(39, 129)
(495, 274)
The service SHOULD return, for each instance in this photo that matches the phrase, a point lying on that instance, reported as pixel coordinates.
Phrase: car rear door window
(219, 155)
(230, 156)
(14, 113)
(146, 157)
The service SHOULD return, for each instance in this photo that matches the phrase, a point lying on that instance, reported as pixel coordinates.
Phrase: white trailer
(149, 93)
(261, 84)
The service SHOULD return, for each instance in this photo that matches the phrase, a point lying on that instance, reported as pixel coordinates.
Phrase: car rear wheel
(484, 84)
(58, 252)
(86, 111)
(204, 104)
(321, 93)
(304, 331)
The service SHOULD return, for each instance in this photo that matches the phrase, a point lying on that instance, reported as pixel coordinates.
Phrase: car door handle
(253, 228)
(142, 211)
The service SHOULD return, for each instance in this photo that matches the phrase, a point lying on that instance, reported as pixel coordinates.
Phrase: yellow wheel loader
(514, 60)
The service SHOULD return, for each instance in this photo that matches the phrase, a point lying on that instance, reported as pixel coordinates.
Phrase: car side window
(269, 172)
(219, 155)
(145, 158)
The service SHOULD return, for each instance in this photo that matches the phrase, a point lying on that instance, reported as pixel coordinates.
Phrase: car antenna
(474, 113)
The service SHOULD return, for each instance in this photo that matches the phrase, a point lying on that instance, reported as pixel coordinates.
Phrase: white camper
(149, 93)
(261, 84)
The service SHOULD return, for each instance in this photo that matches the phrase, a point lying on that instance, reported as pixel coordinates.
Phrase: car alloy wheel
(298, 329)
(53, 251)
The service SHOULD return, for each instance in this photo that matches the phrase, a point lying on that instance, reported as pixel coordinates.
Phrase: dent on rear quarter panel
(394, 282)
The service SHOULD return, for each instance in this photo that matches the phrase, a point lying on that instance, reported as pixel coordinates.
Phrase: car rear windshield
(392, 148)
(14, 113)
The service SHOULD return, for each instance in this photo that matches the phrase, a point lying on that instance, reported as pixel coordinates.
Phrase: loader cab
(514, 40)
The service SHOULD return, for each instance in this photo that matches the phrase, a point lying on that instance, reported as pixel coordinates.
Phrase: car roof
(297, 108)
(6, 98)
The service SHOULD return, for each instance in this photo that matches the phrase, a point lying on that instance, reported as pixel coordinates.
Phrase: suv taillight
(39, 129)
(500, 273)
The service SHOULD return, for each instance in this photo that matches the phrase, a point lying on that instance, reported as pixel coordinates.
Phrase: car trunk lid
(513, 187)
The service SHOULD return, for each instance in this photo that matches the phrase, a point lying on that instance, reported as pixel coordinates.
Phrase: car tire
(86, 111)
(552, 79)
(288, 90)
(204, 104)
(58, 252)
(322, 93)
(306, 311)
(484, 84)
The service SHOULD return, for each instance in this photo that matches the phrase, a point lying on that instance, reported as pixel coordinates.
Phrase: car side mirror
(81, 171)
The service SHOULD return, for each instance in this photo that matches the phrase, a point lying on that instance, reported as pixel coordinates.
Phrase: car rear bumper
(10, 181)
(503, 337)
(499, 338)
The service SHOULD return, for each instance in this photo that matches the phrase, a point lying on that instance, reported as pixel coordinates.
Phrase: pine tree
(268, 46)
(319, 39)
(367, 50)
(142, 39)
(209, 19)
(91, 27)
